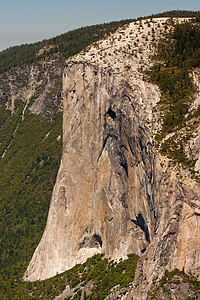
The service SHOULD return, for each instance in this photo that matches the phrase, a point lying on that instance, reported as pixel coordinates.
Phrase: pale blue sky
(26, 21)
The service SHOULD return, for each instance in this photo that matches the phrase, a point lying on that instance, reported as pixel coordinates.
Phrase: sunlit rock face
(114, 193)
(102, 201)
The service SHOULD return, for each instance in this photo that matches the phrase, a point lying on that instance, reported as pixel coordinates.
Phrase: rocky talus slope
(115, 194)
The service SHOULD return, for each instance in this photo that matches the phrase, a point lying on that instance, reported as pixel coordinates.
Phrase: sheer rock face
(103, 199)
(113, 193)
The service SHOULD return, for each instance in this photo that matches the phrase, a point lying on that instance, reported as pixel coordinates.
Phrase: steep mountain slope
(115, 194)
(125, 196)
(31, 142)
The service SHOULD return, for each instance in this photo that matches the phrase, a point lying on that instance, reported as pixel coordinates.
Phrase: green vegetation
(62, 46)
(8, 126)
(178, 54)
(4, 114)
(103, 274)
(27, 176)
(176, 277)
(177, 14)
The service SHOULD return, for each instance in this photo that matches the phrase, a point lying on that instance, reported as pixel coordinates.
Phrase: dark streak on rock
(141, 223)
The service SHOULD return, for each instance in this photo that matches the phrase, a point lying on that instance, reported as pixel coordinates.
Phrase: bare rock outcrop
(103, 198)
(114, 193)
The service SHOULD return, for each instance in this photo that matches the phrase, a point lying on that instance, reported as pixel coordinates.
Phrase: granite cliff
(114, 193)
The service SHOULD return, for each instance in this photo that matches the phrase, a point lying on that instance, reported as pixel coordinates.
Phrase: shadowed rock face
(113, 193)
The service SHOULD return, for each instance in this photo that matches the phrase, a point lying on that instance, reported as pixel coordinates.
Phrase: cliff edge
(114, 193)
